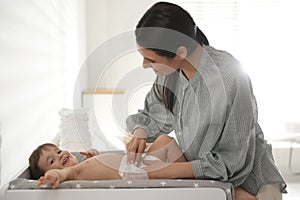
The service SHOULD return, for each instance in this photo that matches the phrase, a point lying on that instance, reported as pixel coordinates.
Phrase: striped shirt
(215, 122)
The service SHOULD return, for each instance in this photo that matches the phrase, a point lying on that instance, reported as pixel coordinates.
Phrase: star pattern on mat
(43, 186)
(129, 183)
(12, 186)
(228, 190)
(163, 183)
(196, 185)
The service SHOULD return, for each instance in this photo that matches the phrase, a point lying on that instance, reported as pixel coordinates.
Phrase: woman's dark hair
(163, 28)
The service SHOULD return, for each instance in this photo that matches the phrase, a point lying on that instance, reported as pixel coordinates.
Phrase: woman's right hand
(135, 148)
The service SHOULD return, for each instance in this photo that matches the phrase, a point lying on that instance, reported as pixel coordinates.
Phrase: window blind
(262, 34)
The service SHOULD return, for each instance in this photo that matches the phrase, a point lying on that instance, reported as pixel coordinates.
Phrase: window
(263, 35)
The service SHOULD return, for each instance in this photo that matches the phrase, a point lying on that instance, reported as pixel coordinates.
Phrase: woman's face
(161, 65)
(55, 158)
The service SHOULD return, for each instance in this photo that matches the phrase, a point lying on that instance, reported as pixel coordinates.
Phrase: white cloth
(79, 131)
(74, 133)
(132, 172)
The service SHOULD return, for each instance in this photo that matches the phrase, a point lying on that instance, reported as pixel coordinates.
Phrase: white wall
(111, 46)
(42, 46)
(113, 61)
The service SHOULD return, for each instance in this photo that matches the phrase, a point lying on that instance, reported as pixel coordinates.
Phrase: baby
(50, 165)
(38, 166)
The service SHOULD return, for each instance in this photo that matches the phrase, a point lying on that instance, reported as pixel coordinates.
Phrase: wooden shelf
(103, 91)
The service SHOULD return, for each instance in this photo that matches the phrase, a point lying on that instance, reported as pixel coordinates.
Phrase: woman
(205, 97)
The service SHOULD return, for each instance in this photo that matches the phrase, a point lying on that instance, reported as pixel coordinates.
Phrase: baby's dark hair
(35, 171)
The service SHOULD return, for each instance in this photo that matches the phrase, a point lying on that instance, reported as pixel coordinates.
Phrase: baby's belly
(111, 160)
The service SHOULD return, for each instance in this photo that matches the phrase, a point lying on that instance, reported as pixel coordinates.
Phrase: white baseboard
(287, 161)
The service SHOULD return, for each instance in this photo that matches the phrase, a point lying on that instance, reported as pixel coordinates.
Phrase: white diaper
(132, 172)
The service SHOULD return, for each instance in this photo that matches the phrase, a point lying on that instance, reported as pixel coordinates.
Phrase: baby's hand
(90, 153)
(51, 177)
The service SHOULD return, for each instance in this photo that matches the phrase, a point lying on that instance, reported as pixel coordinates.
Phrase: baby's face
(55, 158)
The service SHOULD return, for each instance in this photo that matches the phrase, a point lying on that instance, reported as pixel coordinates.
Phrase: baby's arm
(101, 167)
(56, 176)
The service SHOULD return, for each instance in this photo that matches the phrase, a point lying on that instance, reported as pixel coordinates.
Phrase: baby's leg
(166, 149)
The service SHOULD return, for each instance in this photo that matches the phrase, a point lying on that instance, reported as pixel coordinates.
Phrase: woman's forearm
(173, 171)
